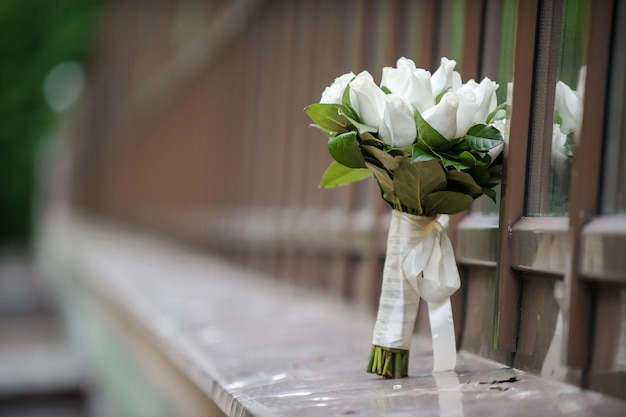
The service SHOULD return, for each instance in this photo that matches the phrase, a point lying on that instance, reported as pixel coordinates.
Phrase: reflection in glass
(557, 105)
(567, 112)
(568, 95)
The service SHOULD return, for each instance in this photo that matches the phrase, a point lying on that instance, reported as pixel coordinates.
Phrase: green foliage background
(35, 35)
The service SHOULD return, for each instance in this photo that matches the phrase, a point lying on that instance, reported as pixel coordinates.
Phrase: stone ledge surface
(258, 347)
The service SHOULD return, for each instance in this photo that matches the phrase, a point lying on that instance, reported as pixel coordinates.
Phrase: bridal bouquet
(433, 144)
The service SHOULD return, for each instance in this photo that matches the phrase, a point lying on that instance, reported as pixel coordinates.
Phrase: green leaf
(463, 182)
(460, 147)
(414, 181)
(387, 160)
(345, 149)
(483, 138)
(328, 117)
(490, 193)
(430, 136)
(451, 161)
(422, 153)
(384, 180)
(354, 120)
(495, 112)
(472, 159)
(337, 175)
(480, 174)
(368, 139)
(467, 158)
(345, 98)
(446, 202)
(328, 133)
(440, 96)
(385, 90)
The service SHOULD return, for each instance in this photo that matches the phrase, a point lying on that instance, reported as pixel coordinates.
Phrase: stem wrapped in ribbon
(433, 145)
(419, 263)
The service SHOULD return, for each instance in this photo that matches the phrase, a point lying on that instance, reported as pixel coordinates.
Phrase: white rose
(367, 99)
(397, 80)
(398, 125)
(566, 104)
(334, 92)
(442, 117)
(412, 83)
(495, 151)
(420, 93)
(405, 63)
(486, 94)
(445, 77)
(476, 101)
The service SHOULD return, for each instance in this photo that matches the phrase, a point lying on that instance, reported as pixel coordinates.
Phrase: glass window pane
(559, 95)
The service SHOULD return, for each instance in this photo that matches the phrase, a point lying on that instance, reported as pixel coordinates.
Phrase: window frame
(503, 243)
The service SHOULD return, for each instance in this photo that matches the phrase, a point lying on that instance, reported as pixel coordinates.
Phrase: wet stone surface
(260, 348)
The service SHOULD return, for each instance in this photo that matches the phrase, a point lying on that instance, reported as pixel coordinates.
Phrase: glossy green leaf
(446, 202)
(467, 158)
(414, 181)
(337, 175)
(474, 159)
(483, 138)
(463, 182)
(387, 160)
(345, 149)
(384, 180)
(327, 132)
(355, 121)
(422, 153)
(449, 160)
(328, 117)
(345, 98)
(430, 136)
(490, 193)
(480, 174)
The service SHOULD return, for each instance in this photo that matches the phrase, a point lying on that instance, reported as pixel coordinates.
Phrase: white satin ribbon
(419, 262)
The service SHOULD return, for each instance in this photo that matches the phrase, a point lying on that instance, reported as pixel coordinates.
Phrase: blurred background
(183, 119)
(45, 47)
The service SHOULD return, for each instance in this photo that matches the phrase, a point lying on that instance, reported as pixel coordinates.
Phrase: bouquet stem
(388, 362)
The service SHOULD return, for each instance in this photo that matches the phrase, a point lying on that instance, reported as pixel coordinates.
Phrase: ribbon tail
(440, 280)
(443, 336)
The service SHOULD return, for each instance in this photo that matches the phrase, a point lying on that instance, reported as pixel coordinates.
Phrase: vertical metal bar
(612, 185)
(428, 36)
(473, 38)
(586, 178)
(514, 183)
(493, 29)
